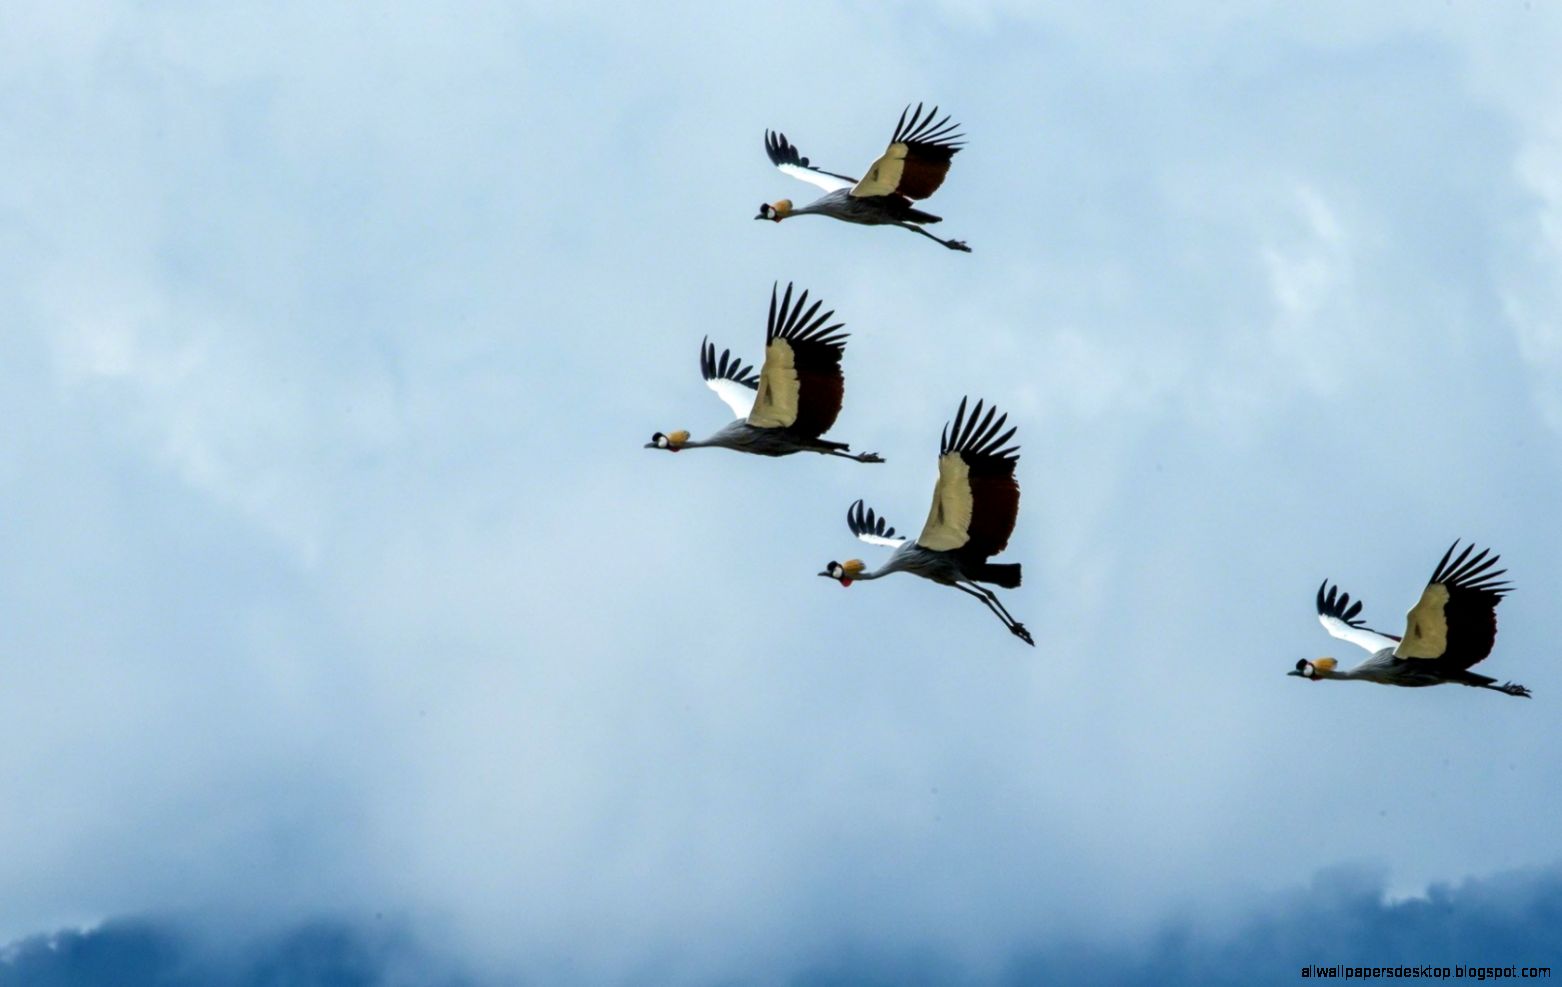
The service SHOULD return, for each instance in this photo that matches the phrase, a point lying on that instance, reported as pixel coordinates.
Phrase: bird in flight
(912, 167)
(1451, 628)
(975, 502)
(793, 400)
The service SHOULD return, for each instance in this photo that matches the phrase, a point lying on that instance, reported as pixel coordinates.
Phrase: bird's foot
(1019, 631)
(957, 245)
(1514, 689)
(869, 457)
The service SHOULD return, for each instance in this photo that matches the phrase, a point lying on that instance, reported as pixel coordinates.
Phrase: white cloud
(1531, 301)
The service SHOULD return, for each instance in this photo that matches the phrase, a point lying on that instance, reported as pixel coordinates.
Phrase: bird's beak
(826, 575)
(1296, 673)
(760, 216)
(652, 445)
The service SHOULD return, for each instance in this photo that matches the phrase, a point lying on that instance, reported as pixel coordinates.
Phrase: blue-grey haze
(1340, 921)
(334, 579)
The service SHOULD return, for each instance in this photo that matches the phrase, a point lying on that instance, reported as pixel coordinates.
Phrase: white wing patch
(873, 539)
(1359, 636)
(829, 183)
(729, 377)
(786, 158)
(734, 395)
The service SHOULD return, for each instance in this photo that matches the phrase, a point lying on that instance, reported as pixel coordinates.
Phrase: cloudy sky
(340, 603)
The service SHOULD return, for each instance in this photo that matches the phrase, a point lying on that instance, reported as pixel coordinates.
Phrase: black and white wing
(871, 528)
(1337, 614)
(786, 158)
(733, 382)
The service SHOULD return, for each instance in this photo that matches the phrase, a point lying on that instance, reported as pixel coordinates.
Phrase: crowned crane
(912, 167)
(975, 502)
(1449, 629)
(795, 397)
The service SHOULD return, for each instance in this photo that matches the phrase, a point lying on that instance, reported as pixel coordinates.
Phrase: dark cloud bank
(1342, 918)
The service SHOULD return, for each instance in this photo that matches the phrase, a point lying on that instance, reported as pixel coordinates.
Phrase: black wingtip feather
(927, 130)
(792, 321)
(863, 521)
(1472, 574)
(978, 434)
(1334, 603)
(726, 367)
(781, 151)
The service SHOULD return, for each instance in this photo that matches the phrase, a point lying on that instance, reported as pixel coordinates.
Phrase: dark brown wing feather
(995, 494)
(816, 355)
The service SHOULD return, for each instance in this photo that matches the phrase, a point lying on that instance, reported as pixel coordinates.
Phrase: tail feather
(918, 216)
(1006, 574)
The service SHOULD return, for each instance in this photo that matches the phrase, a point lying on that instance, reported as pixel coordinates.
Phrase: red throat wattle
(845, 582)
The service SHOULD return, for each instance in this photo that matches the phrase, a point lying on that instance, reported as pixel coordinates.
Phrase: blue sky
(336, 581)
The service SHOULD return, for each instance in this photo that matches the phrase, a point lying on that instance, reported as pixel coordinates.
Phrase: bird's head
(776, 211)
(1314, 670)
(671, 441)
(844, 572)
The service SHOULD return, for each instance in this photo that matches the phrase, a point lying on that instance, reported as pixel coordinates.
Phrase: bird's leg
(993, 597)
(861, 457)
(1007, 622)
(1510, 689)
(1015, 627)
(951, 244)
(1483, 682)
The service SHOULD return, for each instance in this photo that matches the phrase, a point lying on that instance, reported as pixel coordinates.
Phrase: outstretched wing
(732, 381)
(871, 528)
(800, 384)
(1338, 615)
(917, 159)
(1455, 620)
(785, 157)
(976, 498)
